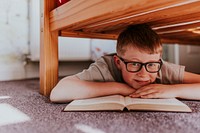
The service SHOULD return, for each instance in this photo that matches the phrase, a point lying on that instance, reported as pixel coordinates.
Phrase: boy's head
(138, 56)
(141, 37)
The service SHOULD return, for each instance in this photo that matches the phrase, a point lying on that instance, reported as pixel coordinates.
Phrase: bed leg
(48, 52)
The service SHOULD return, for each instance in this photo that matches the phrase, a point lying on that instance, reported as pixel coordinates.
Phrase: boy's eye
(151, 64)
(135, 64)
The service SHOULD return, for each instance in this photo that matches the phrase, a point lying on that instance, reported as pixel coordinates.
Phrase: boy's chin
(138, 86)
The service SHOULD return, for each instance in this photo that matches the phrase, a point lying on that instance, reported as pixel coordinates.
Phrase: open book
(119, 103)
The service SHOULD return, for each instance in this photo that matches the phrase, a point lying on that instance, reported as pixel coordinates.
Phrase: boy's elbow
(56, 97)
(60, 93)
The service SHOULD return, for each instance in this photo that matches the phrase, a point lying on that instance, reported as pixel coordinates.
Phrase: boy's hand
(126, 90)
(155, 91)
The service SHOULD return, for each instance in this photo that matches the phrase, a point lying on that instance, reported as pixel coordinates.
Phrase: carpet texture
(41, 116)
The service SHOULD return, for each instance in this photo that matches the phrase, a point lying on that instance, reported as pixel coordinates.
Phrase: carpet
(24, 110)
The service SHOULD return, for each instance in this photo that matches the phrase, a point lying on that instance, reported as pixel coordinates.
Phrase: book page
(173, 105)
(99, 100)
(172, 101)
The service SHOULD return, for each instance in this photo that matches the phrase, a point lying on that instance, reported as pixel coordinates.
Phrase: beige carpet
(24, 110)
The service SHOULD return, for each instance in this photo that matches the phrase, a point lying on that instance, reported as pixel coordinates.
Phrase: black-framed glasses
(151, 67)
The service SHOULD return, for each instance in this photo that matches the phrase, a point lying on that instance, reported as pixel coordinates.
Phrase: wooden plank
(178, 27)
(67, 13)
(102, 10)
(88, 35)
(159, 13)
(182, 37)
(175, 20)
(178, 41)
(175, 31)
(48, 51)
(173, 37)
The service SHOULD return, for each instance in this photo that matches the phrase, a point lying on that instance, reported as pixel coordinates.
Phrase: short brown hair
(140, 36)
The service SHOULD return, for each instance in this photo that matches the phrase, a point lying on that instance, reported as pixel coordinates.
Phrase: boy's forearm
(188, 91)
(68, 90)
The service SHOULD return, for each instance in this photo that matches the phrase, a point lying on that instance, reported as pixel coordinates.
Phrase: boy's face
(142, 77)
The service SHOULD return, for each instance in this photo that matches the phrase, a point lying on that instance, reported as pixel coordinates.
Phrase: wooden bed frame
(176, 21)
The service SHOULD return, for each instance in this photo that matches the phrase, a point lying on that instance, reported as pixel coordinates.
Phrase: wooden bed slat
(102, 10)
(176, 20)
(184, 27)
(88, 35)
(173, 11)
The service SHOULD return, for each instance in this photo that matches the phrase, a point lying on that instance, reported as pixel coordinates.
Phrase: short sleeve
(98, 71)
(171, 73)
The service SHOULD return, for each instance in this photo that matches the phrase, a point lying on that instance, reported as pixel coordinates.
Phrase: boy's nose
(142, 71)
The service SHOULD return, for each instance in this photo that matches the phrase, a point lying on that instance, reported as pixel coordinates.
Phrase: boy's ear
(117, 62)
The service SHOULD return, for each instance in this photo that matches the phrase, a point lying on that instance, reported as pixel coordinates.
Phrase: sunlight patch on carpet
(4, 97)
(88, 129)
(11, 115)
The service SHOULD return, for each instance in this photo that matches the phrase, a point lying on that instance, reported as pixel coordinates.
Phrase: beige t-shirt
(105, 70)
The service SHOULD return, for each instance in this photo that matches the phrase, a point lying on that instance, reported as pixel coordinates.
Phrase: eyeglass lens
(150, 67)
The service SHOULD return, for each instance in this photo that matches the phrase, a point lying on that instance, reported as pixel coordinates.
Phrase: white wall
(19, 35)
(70, 49)
(13, 38)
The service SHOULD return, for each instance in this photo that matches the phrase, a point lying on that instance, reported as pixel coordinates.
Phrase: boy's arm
(71, 88)
(190, 89)
(191, 78)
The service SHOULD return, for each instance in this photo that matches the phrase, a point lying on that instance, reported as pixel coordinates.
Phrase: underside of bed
(176, 21)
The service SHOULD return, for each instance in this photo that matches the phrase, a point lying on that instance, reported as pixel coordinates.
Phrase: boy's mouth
(141, 82)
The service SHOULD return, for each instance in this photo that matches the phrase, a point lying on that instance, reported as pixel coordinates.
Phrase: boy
(136, 70)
